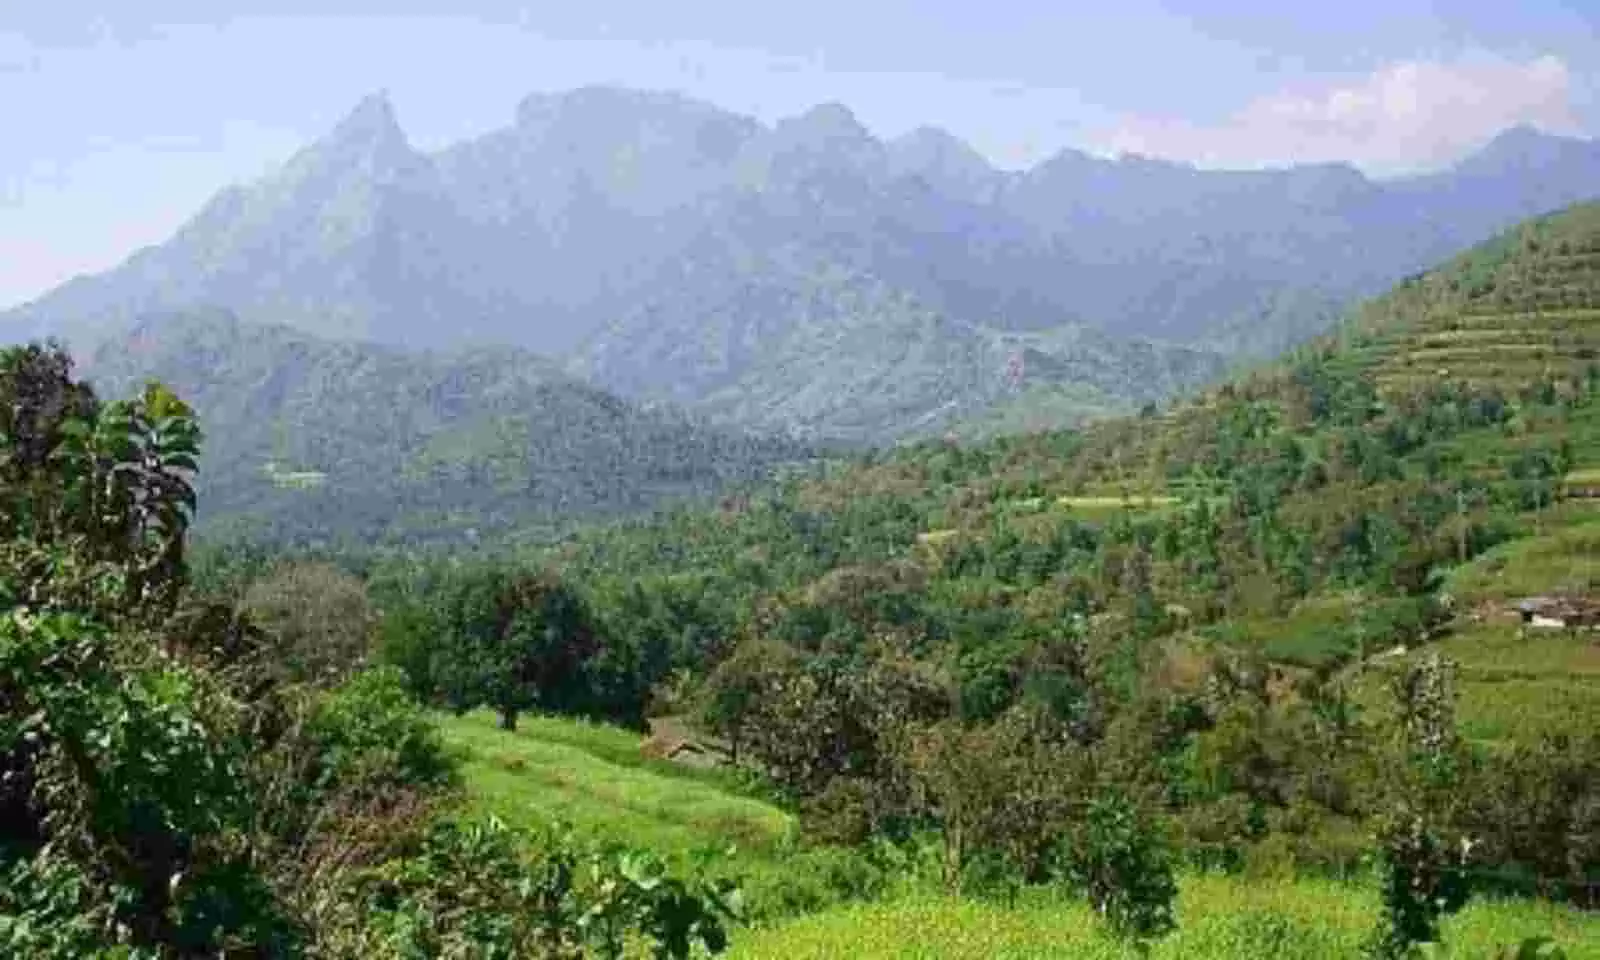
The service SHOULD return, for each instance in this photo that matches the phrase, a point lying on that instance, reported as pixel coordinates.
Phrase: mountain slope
(602, 217)
(1252, 574)
(808, 345)
(1302, 516)
(1523, 308)
(310, 439)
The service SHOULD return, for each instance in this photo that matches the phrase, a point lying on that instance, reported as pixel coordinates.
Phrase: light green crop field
(1134, 501)
(1513, 687)
(1103, 507)
(1221, 918)
(1497, 652)
(594, 778)
(1565, 557)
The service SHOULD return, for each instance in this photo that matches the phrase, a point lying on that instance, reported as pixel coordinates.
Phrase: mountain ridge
(603, 215)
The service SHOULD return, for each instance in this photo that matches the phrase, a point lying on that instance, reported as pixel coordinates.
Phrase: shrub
(1122, 862)
(1423, 879)
(318, 618)
(482, 889)
(813, 879)
(371, 732)
(123, 786)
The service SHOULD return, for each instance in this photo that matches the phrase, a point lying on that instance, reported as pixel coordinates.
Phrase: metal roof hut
(1559, 612)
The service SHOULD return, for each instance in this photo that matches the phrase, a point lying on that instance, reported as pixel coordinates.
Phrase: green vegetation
(1218, 917)
(1563, 559)
(317, 441)
(1240, 676)
(177, 780)
(547, 771)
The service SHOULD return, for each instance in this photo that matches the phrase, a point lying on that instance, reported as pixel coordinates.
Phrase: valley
(646, 530)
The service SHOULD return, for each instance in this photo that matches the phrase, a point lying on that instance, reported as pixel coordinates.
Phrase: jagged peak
(368, 139)
(1070, 159)
(943, 160)
(829, 119)
(373, 118)
(938, 142)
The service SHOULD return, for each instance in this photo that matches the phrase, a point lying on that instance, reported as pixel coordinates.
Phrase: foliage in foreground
(177, 781)
(480, 889)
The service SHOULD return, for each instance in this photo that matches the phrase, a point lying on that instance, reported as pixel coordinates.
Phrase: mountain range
(807, 275)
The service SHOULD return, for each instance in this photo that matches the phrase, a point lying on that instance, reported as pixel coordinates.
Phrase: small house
(1559, 613)
(671, 739)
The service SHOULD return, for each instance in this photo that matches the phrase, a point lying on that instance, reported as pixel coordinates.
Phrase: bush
(122, 787)
(1122, 862)
(482, 889)
(1535, 810)
(814, 879)
(1424, 880)
(318, 618)
(370, 732)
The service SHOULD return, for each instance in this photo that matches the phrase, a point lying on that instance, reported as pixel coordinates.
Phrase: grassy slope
(593, 778)
(1218, 918)
(1516, 686)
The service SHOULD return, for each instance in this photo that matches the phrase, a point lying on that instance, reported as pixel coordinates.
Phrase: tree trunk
(954, 858)
(508, 719)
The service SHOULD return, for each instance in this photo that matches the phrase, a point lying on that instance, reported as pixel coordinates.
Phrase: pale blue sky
(118, 125)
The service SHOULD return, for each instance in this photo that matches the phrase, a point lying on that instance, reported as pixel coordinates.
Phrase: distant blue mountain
(806, 273)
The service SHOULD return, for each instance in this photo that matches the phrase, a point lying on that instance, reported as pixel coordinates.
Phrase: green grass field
(1513, 687)
(1564, 558)
(1094, 508)
(1221, 918)
(594, 778)
(1318, 630)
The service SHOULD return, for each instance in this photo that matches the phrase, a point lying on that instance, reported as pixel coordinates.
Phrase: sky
(121, 119)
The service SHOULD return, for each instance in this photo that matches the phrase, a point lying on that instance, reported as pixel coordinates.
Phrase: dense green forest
(1268, 632)
(312, 440)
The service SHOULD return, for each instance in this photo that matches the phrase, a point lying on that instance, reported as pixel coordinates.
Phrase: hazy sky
(118, 122)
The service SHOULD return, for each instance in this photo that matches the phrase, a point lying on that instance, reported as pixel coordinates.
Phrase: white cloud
(1410, 115)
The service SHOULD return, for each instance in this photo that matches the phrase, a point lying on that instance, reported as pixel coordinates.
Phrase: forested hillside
(319, 441)
(1046, 687)
(1266, 623)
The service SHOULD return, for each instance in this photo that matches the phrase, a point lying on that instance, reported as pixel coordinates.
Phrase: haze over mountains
(807, 275)
(310, 439)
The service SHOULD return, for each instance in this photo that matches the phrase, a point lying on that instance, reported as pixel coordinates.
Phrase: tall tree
(515, 640)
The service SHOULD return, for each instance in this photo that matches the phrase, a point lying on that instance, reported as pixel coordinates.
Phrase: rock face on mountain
(782, 275)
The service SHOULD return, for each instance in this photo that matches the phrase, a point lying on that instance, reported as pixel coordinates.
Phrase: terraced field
(1524, 309)
(1517, 685)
